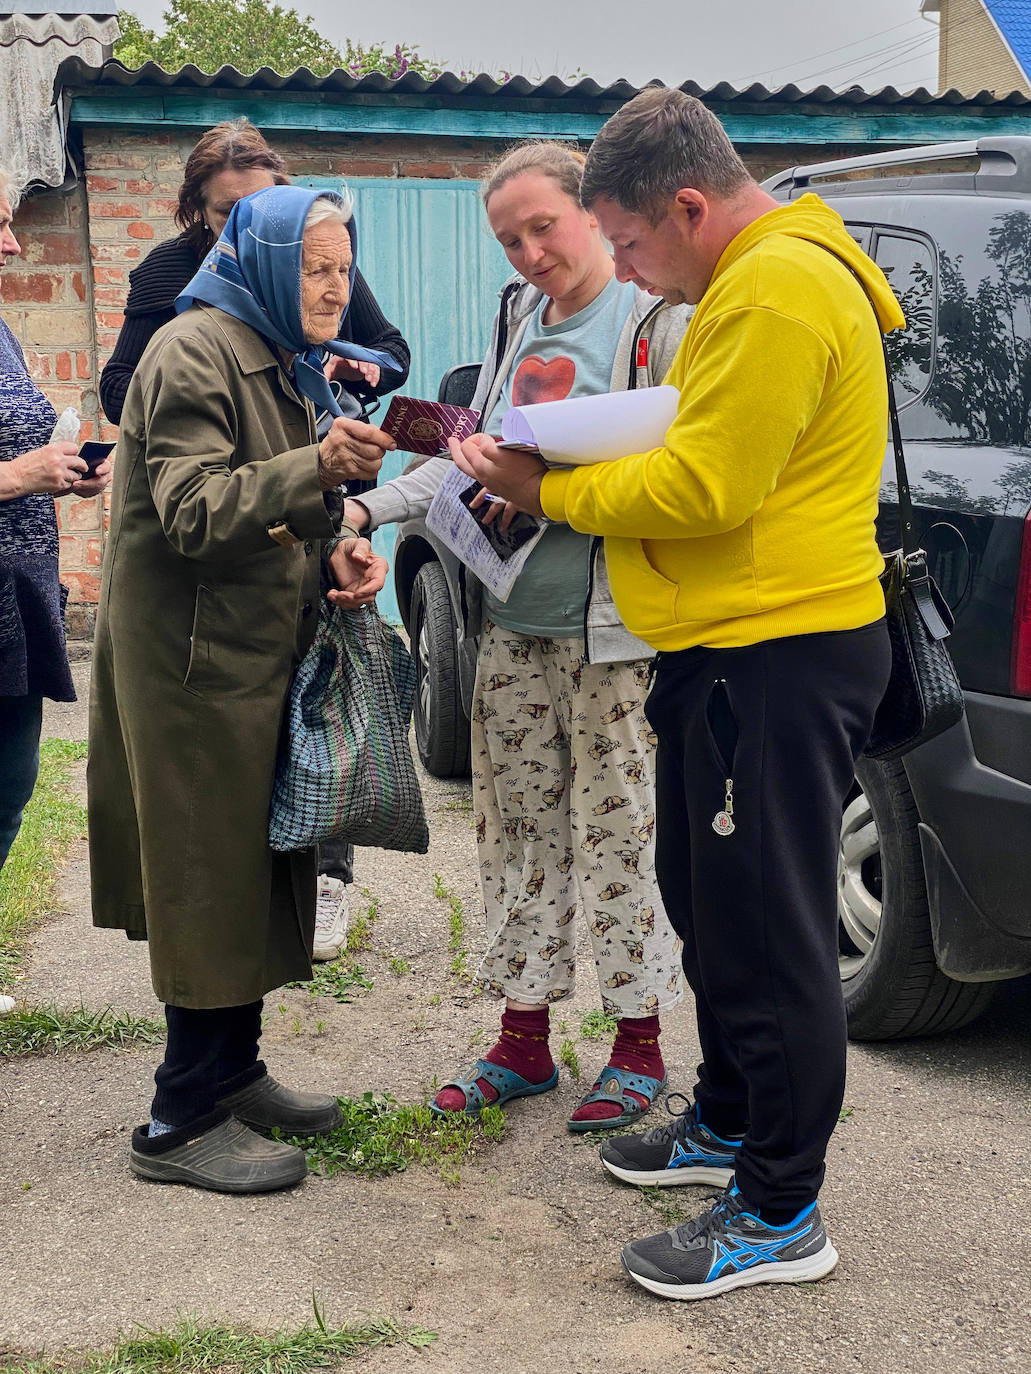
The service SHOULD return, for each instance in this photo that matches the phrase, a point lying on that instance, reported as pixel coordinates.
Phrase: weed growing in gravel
(672, 1210)
(456, 927)
(456, 922)
(398, 966)
(596, 1025)
(359, 935)
(36, 1030)
(190, 1346)
(52, 820)
(378, 1136)
(570, 1058)
(845, 1113)
(339, 979)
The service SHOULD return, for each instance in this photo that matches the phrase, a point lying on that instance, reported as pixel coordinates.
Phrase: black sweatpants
(756, 905)
(336, 859)
(209, 1053)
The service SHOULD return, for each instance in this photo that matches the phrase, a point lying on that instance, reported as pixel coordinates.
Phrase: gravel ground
(928, 1189)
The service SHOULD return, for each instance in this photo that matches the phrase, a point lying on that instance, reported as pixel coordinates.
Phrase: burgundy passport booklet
(426, 426)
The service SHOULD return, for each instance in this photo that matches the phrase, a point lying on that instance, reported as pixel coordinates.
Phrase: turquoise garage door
(425, 248)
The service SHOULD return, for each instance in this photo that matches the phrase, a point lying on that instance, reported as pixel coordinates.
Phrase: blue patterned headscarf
(254, 273)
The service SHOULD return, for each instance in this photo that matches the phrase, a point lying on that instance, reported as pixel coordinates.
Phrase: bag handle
(906, 536)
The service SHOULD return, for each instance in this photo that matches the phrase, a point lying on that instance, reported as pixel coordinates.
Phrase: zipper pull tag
(723, 821)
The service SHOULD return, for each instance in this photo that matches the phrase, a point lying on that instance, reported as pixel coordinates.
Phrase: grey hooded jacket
(408, 497)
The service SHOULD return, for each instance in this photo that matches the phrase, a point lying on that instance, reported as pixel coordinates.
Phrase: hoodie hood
(810, 218)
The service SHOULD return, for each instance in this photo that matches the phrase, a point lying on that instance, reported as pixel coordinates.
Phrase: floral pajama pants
(564, 798)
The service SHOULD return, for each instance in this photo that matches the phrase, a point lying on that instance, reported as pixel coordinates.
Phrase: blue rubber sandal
(613, 1086)
(508, 1084)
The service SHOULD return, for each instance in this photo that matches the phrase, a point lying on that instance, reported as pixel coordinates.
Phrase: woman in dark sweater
(232, 160)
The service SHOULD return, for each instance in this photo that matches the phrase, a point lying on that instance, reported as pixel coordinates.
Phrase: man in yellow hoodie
(744, 551)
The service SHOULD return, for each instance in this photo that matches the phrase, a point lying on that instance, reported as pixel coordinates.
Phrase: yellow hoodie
(756, 520)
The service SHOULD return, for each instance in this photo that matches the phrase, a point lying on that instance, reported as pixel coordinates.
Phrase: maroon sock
(522, 1046)
(636, 1048)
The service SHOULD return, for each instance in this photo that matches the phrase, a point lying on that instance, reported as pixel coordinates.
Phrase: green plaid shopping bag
(345, 768)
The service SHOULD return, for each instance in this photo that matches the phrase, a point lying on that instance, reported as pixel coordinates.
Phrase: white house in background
(983, 45)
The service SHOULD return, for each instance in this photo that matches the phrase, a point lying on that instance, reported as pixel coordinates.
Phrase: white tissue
(67, 427)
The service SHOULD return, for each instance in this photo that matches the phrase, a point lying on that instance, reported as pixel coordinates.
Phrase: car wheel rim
(859, 887)
(423, 665)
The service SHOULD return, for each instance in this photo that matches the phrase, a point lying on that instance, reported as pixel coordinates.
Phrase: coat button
(308, 547)
(306, 609)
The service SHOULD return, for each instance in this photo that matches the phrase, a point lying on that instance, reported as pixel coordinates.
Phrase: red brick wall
(63, 299)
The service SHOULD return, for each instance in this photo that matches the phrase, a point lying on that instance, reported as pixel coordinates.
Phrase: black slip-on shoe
(266, 1105)
(227, 1157)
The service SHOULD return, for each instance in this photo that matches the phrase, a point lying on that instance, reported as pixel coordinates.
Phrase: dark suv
(935, 863)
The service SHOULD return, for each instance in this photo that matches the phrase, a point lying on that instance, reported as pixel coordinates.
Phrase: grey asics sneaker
(681, 1151)
(727, 1247)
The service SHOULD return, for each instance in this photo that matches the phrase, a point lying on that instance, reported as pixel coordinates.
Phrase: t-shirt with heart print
(556, 361)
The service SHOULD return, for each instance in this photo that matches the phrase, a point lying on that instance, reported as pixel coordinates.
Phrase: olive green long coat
(202, 619)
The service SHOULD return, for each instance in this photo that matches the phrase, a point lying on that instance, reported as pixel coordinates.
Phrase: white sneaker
(330, 918)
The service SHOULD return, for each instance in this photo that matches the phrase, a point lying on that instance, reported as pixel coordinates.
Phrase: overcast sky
(840, 43)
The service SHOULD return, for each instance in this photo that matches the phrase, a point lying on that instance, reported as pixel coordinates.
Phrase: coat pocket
(200, 671)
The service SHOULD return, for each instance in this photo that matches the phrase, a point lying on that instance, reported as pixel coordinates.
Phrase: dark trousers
(209, 1053)
(21, 719)
(336, 860)
(756, 908)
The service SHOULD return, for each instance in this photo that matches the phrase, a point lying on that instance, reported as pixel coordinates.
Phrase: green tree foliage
(248, 34)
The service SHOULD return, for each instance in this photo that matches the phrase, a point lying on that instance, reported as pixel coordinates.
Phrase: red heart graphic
(536, 381)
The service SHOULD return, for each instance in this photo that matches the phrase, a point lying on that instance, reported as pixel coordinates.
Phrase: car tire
(441, 723)
(892, 985)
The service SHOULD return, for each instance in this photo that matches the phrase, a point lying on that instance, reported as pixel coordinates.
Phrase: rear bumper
(975, 835)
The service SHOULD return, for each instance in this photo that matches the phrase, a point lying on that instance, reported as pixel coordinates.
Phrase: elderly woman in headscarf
(225, 505)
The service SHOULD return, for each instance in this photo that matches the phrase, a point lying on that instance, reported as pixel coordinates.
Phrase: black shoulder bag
(923, 695)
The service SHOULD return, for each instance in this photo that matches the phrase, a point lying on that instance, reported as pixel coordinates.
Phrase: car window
(979, 388)
(908, 261)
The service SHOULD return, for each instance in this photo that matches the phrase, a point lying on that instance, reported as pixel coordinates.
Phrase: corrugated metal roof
(73, 72)
(32, 50)
(1013, 19)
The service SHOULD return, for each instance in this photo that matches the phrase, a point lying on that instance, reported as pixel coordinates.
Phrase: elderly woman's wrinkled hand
(55, 468)
(351, 451)
(358, 573)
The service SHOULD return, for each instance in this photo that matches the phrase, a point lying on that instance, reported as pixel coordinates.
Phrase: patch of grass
(339, 979)
(845, 1113)
(378, 1136)
(570, 1058)
(190, 1346)
(398, 965)
(597, 1025)
(40, 1030)
(457, 804)
(672, 1210)
(439, 888)
(53, 819)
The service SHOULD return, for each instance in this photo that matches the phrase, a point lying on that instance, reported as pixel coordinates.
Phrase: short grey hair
(10, 188)
(657, 143)
(331, 206)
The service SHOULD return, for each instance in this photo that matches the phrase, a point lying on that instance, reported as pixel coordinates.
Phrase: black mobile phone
(93, 453)
(504, 542)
